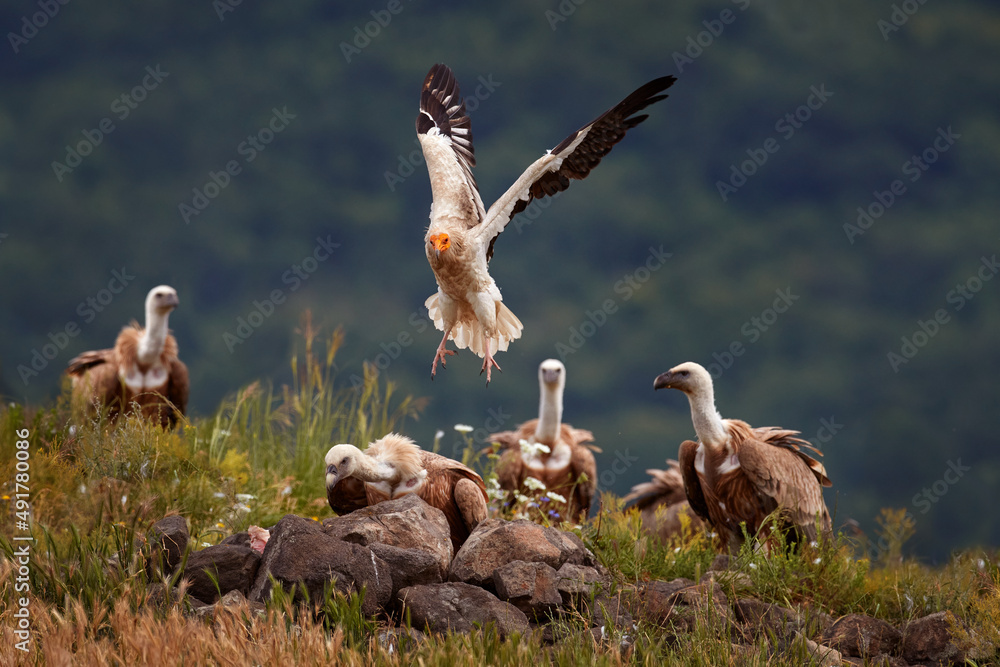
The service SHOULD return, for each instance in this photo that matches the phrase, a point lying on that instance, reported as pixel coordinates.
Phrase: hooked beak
(663, 381)
(332, 476)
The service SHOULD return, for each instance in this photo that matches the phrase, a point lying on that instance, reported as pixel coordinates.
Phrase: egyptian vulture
(141, 369)
(739, 474)
(552, 452)
(467, 306)
(394, 466)
(661, 501)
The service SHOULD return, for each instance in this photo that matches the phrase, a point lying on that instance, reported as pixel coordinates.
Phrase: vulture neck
(707, 421)
(550, 408)
(154, 336)
(372, 470)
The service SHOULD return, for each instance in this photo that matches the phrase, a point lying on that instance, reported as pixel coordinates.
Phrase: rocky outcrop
(459, 607)
(300, 553)
(495, 543)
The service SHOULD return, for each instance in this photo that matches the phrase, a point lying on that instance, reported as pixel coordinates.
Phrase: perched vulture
(141, 369)
(459, 243)
(739, 474)
(567, 468)
(394, 466)
(661, 501)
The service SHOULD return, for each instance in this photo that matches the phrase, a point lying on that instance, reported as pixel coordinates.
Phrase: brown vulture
(142, 369)
(736, 474)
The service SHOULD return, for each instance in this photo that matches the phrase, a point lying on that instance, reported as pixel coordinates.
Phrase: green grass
(95, 490)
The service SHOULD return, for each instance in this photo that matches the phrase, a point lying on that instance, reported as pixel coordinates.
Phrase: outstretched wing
(573, 158)
(445, 134)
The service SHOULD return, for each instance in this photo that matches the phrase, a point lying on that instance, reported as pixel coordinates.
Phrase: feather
(568, 468)
(736, 474)
(394, 466)
(459, 242)
(141, 373)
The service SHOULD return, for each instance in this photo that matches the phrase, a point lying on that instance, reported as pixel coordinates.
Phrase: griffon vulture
(661, 501)
(739, 474)
(141, 369)
(394, 466)
(467, 306)
(563, 462)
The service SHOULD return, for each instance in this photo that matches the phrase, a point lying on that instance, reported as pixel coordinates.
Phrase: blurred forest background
(873, 84)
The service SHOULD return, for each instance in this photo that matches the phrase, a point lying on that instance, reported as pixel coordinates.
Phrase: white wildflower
(124, 500)
(532, 449)
(752, 566)
(463, 428)
(814, 544)
(206, 544)
(83, 488)
(245, 497)
(556, 497)
(241, 507)
(534, 484)
(817, 560)
(439, 434)
(218, 494)
(287, 490)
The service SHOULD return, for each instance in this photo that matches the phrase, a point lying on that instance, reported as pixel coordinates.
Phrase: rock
(241, 539)
(824, 655)
(760, 618)
(300, 552)
(611, 611)
(531, 587)
(409, 567)
(730, 580)
(235, 600)
(460, 607)
(160, 597)
(862, 636)
(578, 583)
(720, 563)
(406, 523)
(168, 539)
(394, 640)
(496, 542)
(933, 639)
(680, 604)
(232, 566)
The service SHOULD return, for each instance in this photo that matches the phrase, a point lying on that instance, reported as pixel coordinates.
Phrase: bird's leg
(488, 361)
(442, 354)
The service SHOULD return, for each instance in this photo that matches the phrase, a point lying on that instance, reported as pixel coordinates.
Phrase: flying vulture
(141, 369)
(661, 501)
(552, 452)
(467, 306)
(394, 466)
(739, 474)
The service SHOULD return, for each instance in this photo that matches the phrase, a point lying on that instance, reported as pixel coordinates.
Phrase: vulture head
(161, 300)
(689, 377)
(341, 462)
(552, 374)
(439, 243)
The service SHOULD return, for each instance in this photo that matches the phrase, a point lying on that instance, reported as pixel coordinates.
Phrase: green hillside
(261, 159)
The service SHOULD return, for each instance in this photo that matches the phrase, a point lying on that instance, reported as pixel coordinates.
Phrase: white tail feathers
(468, 332)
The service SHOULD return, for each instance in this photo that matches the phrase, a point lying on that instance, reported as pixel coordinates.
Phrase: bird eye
(684, 374)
